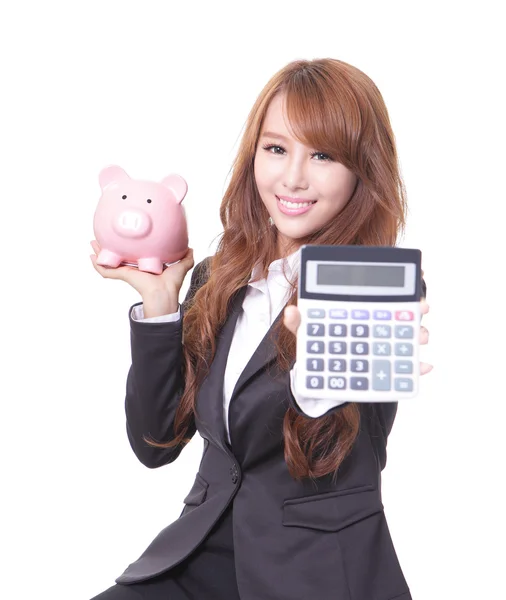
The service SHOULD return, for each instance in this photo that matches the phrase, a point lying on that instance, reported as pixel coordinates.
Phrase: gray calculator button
(337, 364)
(337, 383)
(338, 313)
(315, 364)
(403, 349)
(360, 330)
(381, 375)
(404, 331)
(360, 348)
(359, 383)
(403, 384)
(316, 329)
(315, 313)
(404, 366)
(360, 366)
(359, 314)
(381, 349)
(337, 347)
(382, 331)
(315, 347)
(314, 383)
(338, 330)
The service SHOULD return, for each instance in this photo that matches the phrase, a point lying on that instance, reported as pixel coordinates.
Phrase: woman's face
(301, 188)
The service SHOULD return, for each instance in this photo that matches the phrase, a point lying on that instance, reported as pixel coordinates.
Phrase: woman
(287, 500)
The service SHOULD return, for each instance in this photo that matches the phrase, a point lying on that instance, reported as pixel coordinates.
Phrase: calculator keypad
(359, 349)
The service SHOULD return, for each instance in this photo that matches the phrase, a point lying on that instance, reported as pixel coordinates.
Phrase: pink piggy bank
(140, 223)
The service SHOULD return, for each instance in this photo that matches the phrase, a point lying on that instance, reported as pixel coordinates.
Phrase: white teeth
(295, 204)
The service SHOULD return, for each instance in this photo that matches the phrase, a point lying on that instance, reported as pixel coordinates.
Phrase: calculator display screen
(350, 278)
(368, 275)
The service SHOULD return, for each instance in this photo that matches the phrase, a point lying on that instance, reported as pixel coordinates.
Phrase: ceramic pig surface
(141, 223)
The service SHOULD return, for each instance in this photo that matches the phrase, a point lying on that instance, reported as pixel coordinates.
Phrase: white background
(160, 87)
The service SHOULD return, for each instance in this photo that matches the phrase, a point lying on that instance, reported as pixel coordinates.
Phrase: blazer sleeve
(155, 381)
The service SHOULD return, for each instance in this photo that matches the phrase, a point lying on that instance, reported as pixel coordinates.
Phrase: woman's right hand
(148, 285)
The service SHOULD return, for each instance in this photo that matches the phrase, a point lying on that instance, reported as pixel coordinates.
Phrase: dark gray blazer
(292, 540)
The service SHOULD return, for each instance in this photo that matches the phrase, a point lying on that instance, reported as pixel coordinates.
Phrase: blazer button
(234, 474)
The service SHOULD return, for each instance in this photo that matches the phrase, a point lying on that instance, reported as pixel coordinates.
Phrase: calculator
(358, 340)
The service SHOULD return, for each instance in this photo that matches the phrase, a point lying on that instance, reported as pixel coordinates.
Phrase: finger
(425, 368)
(424, 307)
(108, 272)
(424, 335)
(95, 246)
(291, 318)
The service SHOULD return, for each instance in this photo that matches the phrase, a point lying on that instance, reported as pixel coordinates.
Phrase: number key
(316, 329)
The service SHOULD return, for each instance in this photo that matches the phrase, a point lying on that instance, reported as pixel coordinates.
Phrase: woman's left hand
(291, 319)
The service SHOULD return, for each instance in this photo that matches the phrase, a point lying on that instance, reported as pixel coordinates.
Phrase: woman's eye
(275, 149)
(321, 156)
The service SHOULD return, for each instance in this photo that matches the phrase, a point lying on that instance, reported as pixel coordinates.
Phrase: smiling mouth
(295, 203)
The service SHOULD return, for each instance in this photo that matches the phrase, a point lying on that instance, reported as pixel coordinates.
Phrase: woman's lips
(300, 207)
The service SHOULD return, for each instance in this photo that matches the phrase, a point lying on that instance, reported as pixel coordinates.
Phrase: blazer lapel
(210, 395)
(210, 404)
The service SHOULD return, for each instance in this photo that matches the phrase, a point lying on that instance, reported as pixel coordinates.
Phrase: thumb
(291, 318)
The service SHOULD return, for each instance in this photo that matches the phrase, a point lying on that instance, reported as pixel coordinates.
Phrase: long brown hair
(336, 109)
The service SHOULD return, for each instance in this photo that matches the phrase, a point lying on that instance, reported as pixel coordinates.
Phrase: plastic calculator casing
(358, 340)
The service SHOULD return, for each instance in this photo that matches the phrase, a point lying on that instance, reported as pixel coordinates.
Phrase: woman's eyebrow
(274, 135)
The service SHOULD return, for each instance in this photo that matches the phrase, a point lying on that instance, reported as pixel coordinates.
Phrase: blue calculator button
(403, 384)
(360, 366)
(359, 314)
(338, 313)
(337, 347)
(382, 315)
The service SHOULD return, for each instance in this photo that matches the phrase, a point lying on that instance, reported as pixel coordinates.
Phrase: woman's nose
(295, 176)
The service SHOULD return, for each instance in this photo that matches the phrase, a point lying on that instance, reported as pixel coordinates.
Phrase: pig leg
(152, 265)
(106, 258)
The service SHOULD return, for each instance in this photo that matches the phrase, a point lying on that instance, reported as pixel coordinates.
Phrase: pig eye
(149, 201)
(124, 197)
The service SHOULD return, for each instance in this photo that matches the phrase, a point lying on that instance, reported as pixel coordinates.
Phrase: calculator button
(403, 385)
(316, 329)
(315, 347)
(360, 366)
(382, 315)
(404, 331)
(338, 313)
(337, 364)
(381, 375)
(338, 330)
(404, 315)
(381, 349)
(403, 349)
(315, 313)
(359, 314)
(359, 383)
(359, 348)
(315, 364)
(404, 366)
(337, 347)
(360, 330)
(314, 383)
(382, 331)
(337, 383)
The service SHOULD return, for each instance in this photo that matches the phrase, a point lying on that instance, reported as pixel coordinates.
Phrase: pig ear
(111, 174)
(177, 185)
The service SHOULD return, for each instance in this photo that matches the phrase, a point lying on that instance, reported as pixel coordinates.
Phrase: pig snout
(132, 223)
